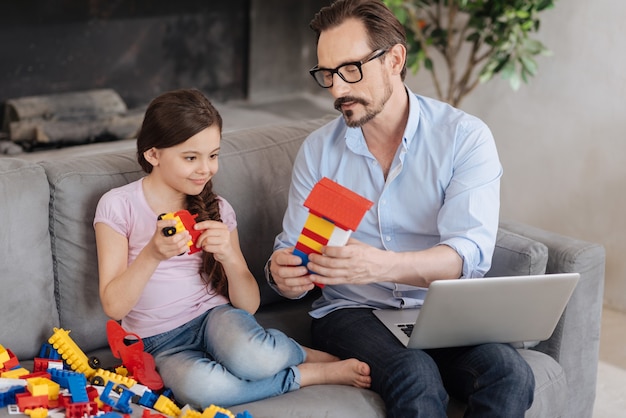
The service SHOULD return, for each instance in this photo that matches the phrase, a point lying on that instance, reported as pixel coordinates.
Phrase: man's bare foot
(317, 356)
(350, 372)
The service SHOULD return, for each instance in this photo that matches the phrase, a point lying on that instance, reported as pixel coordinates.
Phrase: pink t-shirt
(175, 293)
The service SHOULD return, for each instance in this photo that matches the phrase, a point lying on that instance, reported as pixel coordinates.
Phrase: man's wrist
(268, 274)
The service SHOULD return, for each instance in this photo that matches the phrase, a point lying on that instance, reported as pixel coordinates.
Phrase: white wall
(562, 138)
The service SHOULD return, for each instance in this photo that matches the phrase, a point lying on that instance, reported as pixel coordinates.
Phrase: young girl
(194, 312)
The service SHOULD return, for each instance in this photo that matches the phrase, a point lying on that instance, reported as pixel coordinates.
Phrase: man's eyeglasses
(349, 72)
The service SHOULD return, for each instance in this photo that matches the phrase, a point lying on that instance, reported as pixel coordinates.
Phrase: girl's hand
(215, 239)
(164, 247)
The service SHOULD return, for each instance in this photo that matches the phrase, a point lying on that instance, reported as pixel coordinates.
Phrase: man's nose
(340, 87)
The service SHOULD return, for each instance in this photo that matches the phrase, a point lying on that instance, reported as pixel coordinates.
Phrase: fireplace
(231, 50)
(137, 47)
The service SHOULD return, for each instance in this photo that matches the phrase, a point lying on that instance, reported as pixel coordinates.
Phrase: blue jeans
(224, 357)
(493, 379)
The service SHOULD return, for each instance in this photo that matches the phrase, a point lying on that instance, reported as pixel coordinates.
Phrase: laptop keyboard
(406, 328)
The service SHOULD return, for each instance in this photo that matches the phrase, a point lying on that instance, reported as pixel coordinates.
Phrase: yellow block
(15, 373)
(4, 355)
(319, 225)
(314, 245)
(38, 386)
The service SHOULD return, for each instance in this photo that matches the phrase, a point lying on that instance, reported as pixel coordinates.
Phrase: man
(433, 174)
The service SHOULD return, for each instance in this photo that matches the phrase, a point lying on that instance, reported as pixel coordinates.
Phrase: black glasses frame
(375, 54)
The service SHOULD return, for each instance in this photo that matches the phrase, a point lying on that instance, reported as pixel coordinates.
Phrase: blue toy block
(122, 404)
(7, 396)
(48, 351)
(148, 399)
(77, 385)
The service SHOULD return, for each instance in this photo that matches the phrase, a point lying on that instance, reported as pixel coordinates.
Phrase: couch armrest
(579, 328)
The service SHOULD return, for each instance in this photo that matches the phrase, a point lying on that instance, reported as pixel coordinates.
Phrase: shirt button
(387, 238)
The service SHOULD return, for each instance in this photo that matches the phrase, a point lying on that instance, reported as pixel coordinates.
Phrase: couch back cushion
(255, 173)
(254, 176)
(27, 298)
(76, 185)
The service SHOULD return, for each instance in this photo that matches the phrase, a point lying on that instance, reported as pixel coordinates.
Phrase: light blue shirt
(443, 187)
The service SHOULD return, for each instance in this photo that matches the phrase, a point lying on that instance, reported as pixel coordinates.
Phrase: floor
(611, 387)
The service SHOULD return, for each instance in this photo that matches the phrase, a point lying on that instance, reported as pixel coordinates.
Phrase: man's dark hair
(383, 28)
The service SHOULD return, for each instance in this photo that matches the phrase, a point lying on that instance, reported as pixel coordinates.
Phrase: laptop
(514, 309)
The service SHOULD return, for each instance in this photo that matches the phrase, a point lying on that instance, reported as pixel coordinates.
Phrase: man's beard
(370, 113)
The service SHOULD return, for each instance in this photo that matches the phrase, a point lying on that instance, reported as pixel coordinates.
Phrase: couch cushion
(550, 385)
(76, 185)
(318, 402)
(516, 255)
(26, 260)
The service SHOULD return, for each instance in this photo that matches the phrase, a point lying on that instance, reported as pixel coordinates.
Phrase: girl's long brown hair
(171, 119)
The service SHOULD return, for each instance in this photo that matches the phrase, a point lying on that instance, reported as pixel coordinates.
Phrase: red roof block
(338, 204)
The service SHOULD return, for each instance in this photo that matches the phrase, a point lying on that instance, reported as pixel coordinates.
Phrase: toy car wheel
(168, 231)
(94, 362)
(97, 381)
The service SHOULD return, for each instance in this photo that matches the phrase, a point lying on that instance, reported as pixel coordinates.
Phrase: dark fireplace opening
(138, 48)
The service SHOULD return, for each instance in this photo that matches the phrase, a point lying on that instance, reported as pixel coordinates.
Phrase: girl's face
(188, 166)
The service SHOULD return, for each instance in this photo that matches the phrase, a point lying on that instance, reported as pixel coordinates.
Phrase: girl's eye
(214, 156)
(190, 158)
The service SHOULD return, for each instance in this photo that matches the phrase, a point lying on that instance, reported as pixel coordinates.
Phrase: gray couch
(49, 269)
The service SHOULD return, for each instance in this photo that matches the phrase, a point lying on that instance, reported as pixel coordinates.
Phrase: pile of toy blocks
(64, 379)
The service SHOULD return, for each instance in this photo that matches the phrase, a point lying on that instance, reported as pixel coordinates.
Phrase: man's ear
(397, 57)
(152, 156)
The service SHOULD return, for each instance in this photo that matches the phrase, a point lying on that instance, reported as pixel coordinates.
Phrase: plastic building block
(184, 221)
(166, 406)
(140, 364)
(27, 401)
(44, 374)
(37, 413)
(10, 360)
(41, 364)
(7, 396)
(104, 376)
(47, 351)
(4, 355)
(334, 213)
(122, 404)
(77, 386)
(70, 352)
(148, 414)
(111, 415)
(81, 409)
(148, 399)
(338, 204)
(15, 373)
(43, 386)
(214, 411)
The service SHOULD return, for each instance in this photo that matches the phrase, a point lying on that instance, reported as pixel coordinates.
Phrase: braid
(206, 205)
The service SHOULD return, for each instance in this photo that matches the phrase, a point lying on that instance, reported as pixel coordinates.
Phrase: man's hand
(292, 279)
(354, 263)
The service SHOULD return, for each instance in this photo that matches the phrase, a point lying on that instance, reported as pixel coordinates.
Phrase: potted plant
(463, 43)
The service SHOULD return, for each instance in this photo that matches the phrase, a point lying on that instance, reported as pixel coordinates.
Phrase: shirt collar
(413, 120)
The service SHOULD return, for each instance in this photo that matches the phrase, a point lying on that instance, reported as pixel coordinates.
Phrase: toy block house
(334, 213)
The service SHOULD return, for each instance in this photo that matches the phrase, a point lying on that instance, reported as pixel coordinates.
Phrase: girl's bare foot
(317, 356)
(350, 372)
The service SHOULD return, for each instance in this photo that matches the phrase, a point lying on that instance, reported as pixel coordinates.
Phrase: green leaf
(529, 65)
(428, 64)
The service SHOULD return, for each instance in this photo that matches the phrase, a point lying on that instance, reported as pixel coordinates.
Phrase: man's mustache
(346, 99)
